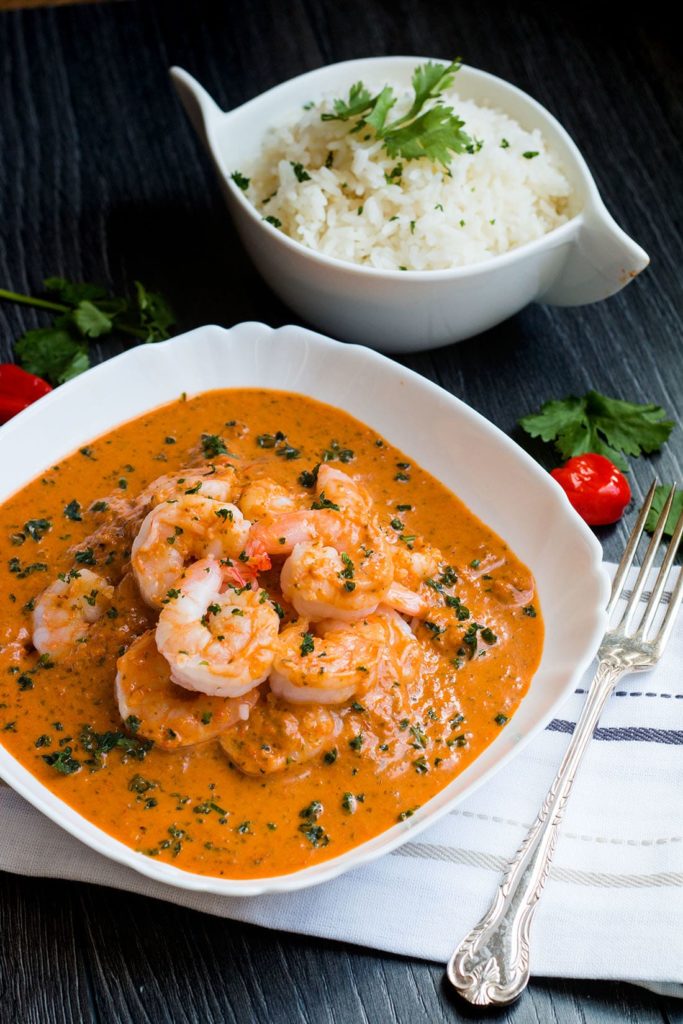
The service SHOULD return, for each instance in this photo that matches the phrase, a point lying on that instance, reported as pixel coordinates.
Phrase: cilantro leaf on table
(80, 312)
(595, 423)
(435, 133)
(52, 353)
(90, 320)
(156, 316)
(73, 292)
(659, 500)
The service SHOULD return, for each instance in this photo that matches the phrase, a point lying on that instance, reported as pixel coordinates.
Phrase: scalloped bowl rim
(251, 351)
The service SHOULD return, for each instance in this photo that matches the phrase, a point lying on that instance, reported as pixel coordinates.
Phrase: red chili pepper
(595, 487)
(18, 389)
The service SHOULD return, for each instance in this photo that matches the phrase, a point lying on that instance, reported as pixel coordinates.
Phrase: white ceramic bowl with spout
(584, 260)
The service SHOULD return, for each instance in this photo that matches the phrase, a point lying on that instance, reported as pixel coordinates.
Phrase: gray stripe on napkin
(671, 736)
(476, 858)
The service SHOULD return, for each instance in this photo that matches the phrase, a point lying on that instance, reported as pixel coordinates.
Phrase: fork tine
(660, 582)
(677, 595)
(639, 585)
(630, 549)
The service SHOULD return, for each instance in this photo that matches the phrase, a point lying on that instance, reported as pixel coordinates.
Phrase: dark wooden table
(102, 179)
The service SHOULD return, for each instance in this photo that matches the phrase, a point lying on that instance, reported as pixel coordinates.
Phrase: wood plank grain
(101, 178)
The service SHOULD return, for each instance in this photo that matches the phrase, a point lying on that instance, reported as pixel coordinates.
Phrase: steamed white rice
(422, 218)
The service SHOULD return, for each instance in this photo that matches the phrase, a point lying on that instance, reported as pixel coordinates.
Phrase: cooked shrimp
(341, 489)
(217, 480)
(267, 499)
(174, 533)
(339, 563)
(344, 659)
(65, 611)
(151, 704)
(413, 565)
(219, 643)
(278, 736)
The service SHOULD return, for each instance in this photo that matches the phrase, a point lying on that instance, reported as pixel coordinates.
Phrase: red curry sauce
(191, 806)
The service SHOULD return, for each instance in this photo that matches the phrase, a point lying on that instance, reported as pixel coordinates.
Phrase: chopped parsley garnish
(357, 742)
(330, 756)
(299, 172)
(208, 806)
(139, 784)
(407, 813)
(275, 221)
(240, 180)
(349, 803)
(434, 628)
(420, 765)
(448, 576)
(73, 511)
(347, 573)
(85, 557)
(323, 502)
(99, 744)
(335, 453)
(22, 571)
(279, 442)
(307, 644)
(501, 719)
(313, 811)
(62, 761)
(461, 611)
(315, 834)
(529, 610)
(309, 477)
(530, 154)
(35, 528)
(419, 736)
(213, 445)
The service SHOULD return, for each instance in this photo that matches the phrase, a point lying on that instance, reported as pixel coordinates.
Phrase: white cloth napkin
(613, 906)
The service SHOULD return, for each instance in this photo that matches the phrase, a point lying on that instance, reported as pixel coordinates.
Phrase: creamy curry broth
(191, 806)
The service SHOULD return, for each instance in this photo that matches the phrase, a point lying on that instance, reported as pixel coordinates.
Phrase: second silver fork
(491, 964)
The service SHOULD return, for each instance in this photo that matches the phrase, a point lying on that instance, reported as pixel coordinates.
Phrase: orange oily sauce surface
(377, 758)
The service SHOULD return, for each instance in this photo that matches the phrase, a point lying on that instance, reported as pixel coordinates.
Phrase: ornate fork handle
(491, 964)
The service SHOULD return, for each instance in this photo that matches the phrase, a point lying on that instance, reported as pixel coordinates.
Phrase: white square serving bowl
(495, 478)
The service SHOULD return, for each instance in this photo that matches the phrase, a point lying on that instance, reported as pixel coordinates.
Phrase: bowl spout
(602, 260)
(202, 109)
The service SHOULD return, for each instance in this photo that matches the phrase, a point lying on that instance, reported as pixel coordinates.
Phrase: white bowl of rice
(404, 253)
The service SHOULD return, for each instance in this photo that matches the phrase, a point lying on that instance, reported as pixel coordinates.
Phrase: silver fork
(491, 964)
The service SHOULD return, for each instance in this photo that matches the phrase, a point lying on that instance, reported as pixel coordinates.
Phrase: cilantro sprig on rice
(436, 132)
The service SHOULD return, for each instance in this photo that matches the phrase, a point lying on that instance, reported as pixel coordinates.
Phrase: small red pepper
(18, 389)
(595, 487)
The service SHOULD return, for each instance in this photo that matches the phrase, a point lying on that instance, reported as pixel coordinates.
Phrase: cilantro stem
(30, 300)
(59, 307)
